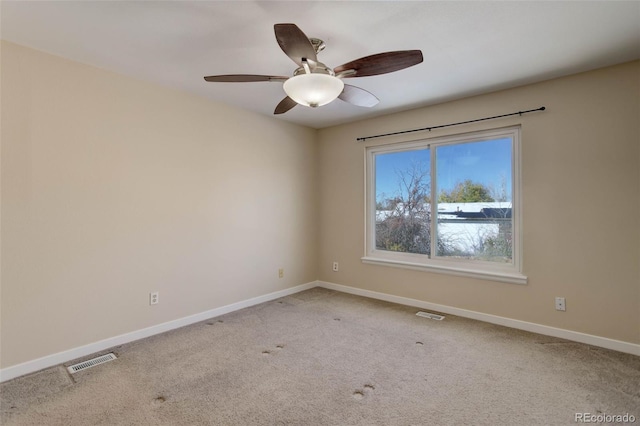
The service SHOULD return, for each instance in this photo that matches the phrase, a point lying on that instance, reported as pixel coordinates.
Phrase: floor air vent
(430, 316)
(91, 363)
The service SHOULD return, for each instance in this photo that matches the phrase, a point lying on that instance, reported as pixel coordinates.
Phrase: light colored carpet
(321, 357)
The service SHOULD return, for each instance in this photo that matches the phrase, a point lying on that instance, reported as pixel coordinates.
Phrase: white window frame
(511, 272)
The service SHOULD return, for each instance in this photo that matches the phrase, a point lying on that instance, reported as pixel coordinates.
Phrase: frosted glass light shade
(313, 89)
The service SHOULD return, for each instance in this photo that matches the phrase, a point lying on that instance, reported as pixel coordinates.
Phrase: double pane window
(450, 203)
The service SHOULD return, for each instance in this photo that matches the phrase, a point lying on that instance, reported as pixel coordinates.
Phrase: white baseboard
(603, 342)
(82, 351)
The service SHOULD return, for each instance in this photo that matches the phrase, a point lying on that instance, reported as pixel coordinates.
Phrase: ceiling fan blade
(243, 78)
(285, 105)
(294, 43)
(380, 63)
(358, 96)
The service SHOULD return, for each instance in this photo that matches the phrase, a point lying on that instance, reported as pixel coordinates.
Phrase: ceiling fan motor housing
(315, 68)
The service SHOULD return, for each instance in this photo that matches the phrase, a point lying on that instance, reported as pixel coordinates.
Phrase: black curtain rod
(451, 124)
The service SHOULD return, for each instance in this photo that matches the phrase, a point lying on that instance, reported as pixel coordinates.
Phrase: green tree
(466, 192)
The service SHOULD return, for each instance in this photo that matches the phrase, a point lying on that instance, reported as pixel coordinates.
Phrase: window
(447, 204)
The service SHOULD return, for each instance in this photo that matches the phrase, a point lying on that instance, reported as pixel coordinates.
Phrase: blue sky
(486, 162)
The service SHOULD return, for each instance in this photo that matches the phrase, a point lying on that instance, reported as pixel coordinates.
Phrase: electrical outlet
(561, 304)
(335, 266)
(280, 272)
(154, 298)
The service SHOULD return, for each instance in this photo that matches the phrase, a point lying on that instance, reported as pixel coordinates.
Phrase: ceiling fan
(313, 83)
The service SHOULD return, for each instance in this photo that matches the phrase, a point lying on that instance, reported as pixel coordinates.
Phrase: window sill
(507, 277)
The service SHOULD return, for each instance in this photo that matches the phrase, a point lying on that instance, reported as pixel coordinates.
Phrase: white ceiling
(469, 47)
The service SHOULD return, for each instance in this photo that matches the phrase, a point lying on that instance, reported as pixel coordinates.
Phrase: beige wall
(581, 204)
(113, 187)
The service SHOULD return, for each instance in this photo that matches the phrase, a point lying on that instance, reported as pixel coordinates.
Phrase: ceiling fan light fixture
(314, 89)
